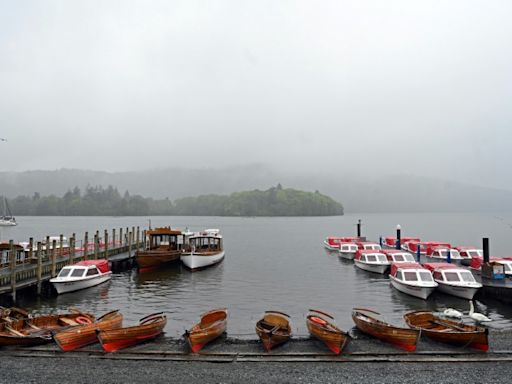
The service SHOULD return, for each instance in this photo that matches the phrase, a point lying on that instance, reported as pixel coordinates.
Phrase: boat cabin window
(64, 272)
(467, 276)
(451, 276)
(425, 276)
(408, 257)
(372, 247)
(399, 275)
(474, 253)
(78, 272)
(410, 276)
(371, 258)
(92, 271)
(399, 258)
(382, 258)
(348, 247)
(438, 276)
(507, 268)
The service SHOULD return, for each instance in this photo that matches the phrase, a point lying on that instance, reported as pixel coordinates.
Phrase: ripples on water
(270, 263)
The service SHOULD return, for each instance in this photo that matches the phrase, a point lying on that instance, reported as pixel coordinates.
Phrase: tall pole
(359, 228)
(398, 236)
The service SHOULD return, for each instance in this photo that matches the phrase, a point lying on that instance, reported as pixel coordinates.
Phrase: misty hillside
(357, 193)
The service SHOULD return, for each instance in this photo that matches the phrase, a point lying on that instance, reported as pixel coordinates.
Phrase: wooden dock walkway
(22, 267)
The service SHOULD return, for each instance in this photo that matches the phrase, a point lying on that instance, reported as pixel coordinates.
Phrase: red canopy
(396, 266)
(101, 264)
(433, 266)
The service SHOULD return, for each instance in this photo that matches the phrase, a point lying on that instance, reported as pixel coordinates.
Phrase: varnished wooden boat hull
(212, 325)
(273, 330)
(332, 336)
(36, 330)
(404, 338)
(448, 331)
(81, 336)
(154, 258)
(150, 327)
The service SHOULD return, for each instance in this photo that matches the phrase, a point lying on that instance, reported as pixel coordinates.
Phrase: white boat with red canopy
(371, 261)
(476, 264)
(348, 250)
(398, 256)
(390, 242)
(442, 252)
(368, 246)
(412, 279)
(467, 253)
(454, 280)
(84, 274)
(332, 243)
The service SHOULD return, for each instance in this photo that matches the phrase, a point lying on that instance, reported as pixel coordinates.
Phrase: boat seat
(67, 321)
(15, 332)
(270, 318)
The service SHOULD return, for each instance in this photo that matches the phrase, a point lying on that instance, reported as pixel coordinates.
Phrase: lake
(271, 263)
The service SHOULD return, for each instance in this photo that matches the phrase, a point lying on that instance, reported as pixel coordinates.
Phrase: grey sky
(395, 86)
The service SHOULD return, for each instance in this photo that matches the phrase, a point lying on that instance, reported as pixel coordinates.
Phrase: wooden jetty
(38, 262)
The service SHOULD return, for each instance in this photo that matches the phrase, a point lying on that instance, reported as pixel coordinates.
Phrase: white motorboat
(332, 243)
(371, 261)
(412, 279)
(84, 274)
(398, 256)
(454, 280)
(203, 249)
(443, 252)
(347, 250)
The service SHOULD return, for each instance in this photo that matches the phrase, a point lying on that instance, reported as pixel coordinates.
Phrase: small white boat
(203, 249)
(371, 261)
(348, 250)
(454, 280)
(476, 264)
(470, 252)
(332, 243)
(398, 256)
(441, 253)
(84, 274)
(7, 219)
(412, 279)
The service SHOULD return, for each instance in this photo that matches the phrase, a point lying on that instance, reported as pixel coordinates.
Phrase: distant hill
(359, 192)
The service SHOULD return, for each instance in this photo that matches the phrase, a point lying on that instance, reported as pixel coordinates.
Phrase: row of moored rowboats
(77, 329)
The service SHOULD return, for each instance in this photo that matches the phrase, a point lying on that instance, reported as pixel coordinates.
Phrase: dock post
(86, 245)
(106, 245)
(137, 246)
(47, 248)
(96, 245)
(30, 248)
(114, 238)
(72, 242)
(485, 249)
(449, 256)
(129, 245)
(418, 252)
(398, 236)
(144, 239)
(120, 237)
(380, 241)
(61, 244)
(39, 266)
(359, 228)
(12, 255)
(54, 264)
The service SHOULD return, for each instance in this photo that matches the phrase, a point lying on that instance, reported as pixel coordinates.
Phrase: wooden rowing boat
(148, 328)
(321, 325)
(38, 329)
(212, 325)
(448, 331)
(77, 337)
(405, 338)
(273, 329)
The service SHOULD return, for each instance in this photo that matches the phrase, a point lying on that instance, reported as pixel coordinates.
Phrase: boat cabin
(450, 273)
(210, 240)
(368, 256)
(411, 273)
(469, 252)
(348, 247)
(398, 256)
(5, 254)
(368, 246)
(84, 269)
(442, 253)
(164, 239)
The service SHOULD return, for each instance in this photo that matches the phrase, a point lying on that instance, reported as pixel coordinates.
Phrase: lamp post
(398, 236)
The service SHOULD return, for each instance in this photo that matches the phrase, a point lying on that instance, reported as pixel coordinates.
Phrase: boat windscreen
(409, 258)
(467, 276)
(410, 276)
(78, 272)
(371, 258)
(399, 258)
(64, 272)
(382, 258)
(451, 276)
(426, 276)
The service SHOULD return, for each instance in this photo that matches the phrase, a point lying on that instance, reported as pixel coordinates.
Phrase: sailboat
(7, 219)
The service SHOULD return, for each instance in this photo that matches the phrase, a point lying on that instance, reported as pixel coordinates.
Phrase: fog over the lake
(335, 87)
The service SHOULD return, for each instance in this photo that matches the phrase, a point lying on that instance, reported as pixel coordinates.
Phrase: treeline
(99, 201)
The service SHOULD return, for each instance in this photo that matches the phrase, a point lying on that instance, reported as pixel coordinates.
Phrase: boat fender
(83, 320)
(318, 320)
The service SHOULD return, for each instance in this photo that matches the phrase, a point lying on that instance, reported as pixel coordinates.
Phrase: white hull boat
(84, 274)
(197, 260)
(454, 280)
(456, 290)
(412, 279)
(372, 267)
(347, 251)
(418, 291)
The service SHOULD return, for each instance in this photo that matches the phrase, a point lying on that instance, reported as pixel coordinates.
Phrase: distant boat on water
(7, 219)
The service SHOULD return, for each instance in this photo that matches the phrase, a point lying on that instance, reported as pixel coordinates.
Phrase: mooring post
(12, 255)
(120, 237)
(86, 245)
(47, 248)
(54, 264)
(96, 245)
(39, 266)
(418, 253)
(359, 228)
(398, 236)
(114, 238)
(143, 239)
(30, 248)
(72, 242)
(449, 255)
(485, 249)
(129, 245)
(61, 245)
(138, 239)
(380, 241)
(106, 244)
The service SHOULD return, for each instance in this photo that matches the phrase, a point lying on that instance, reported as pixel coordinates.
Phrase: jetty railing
(30, 264)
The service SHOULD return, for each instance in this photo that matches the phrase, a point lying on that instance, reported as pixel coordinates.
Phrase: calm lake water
(270, 263)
